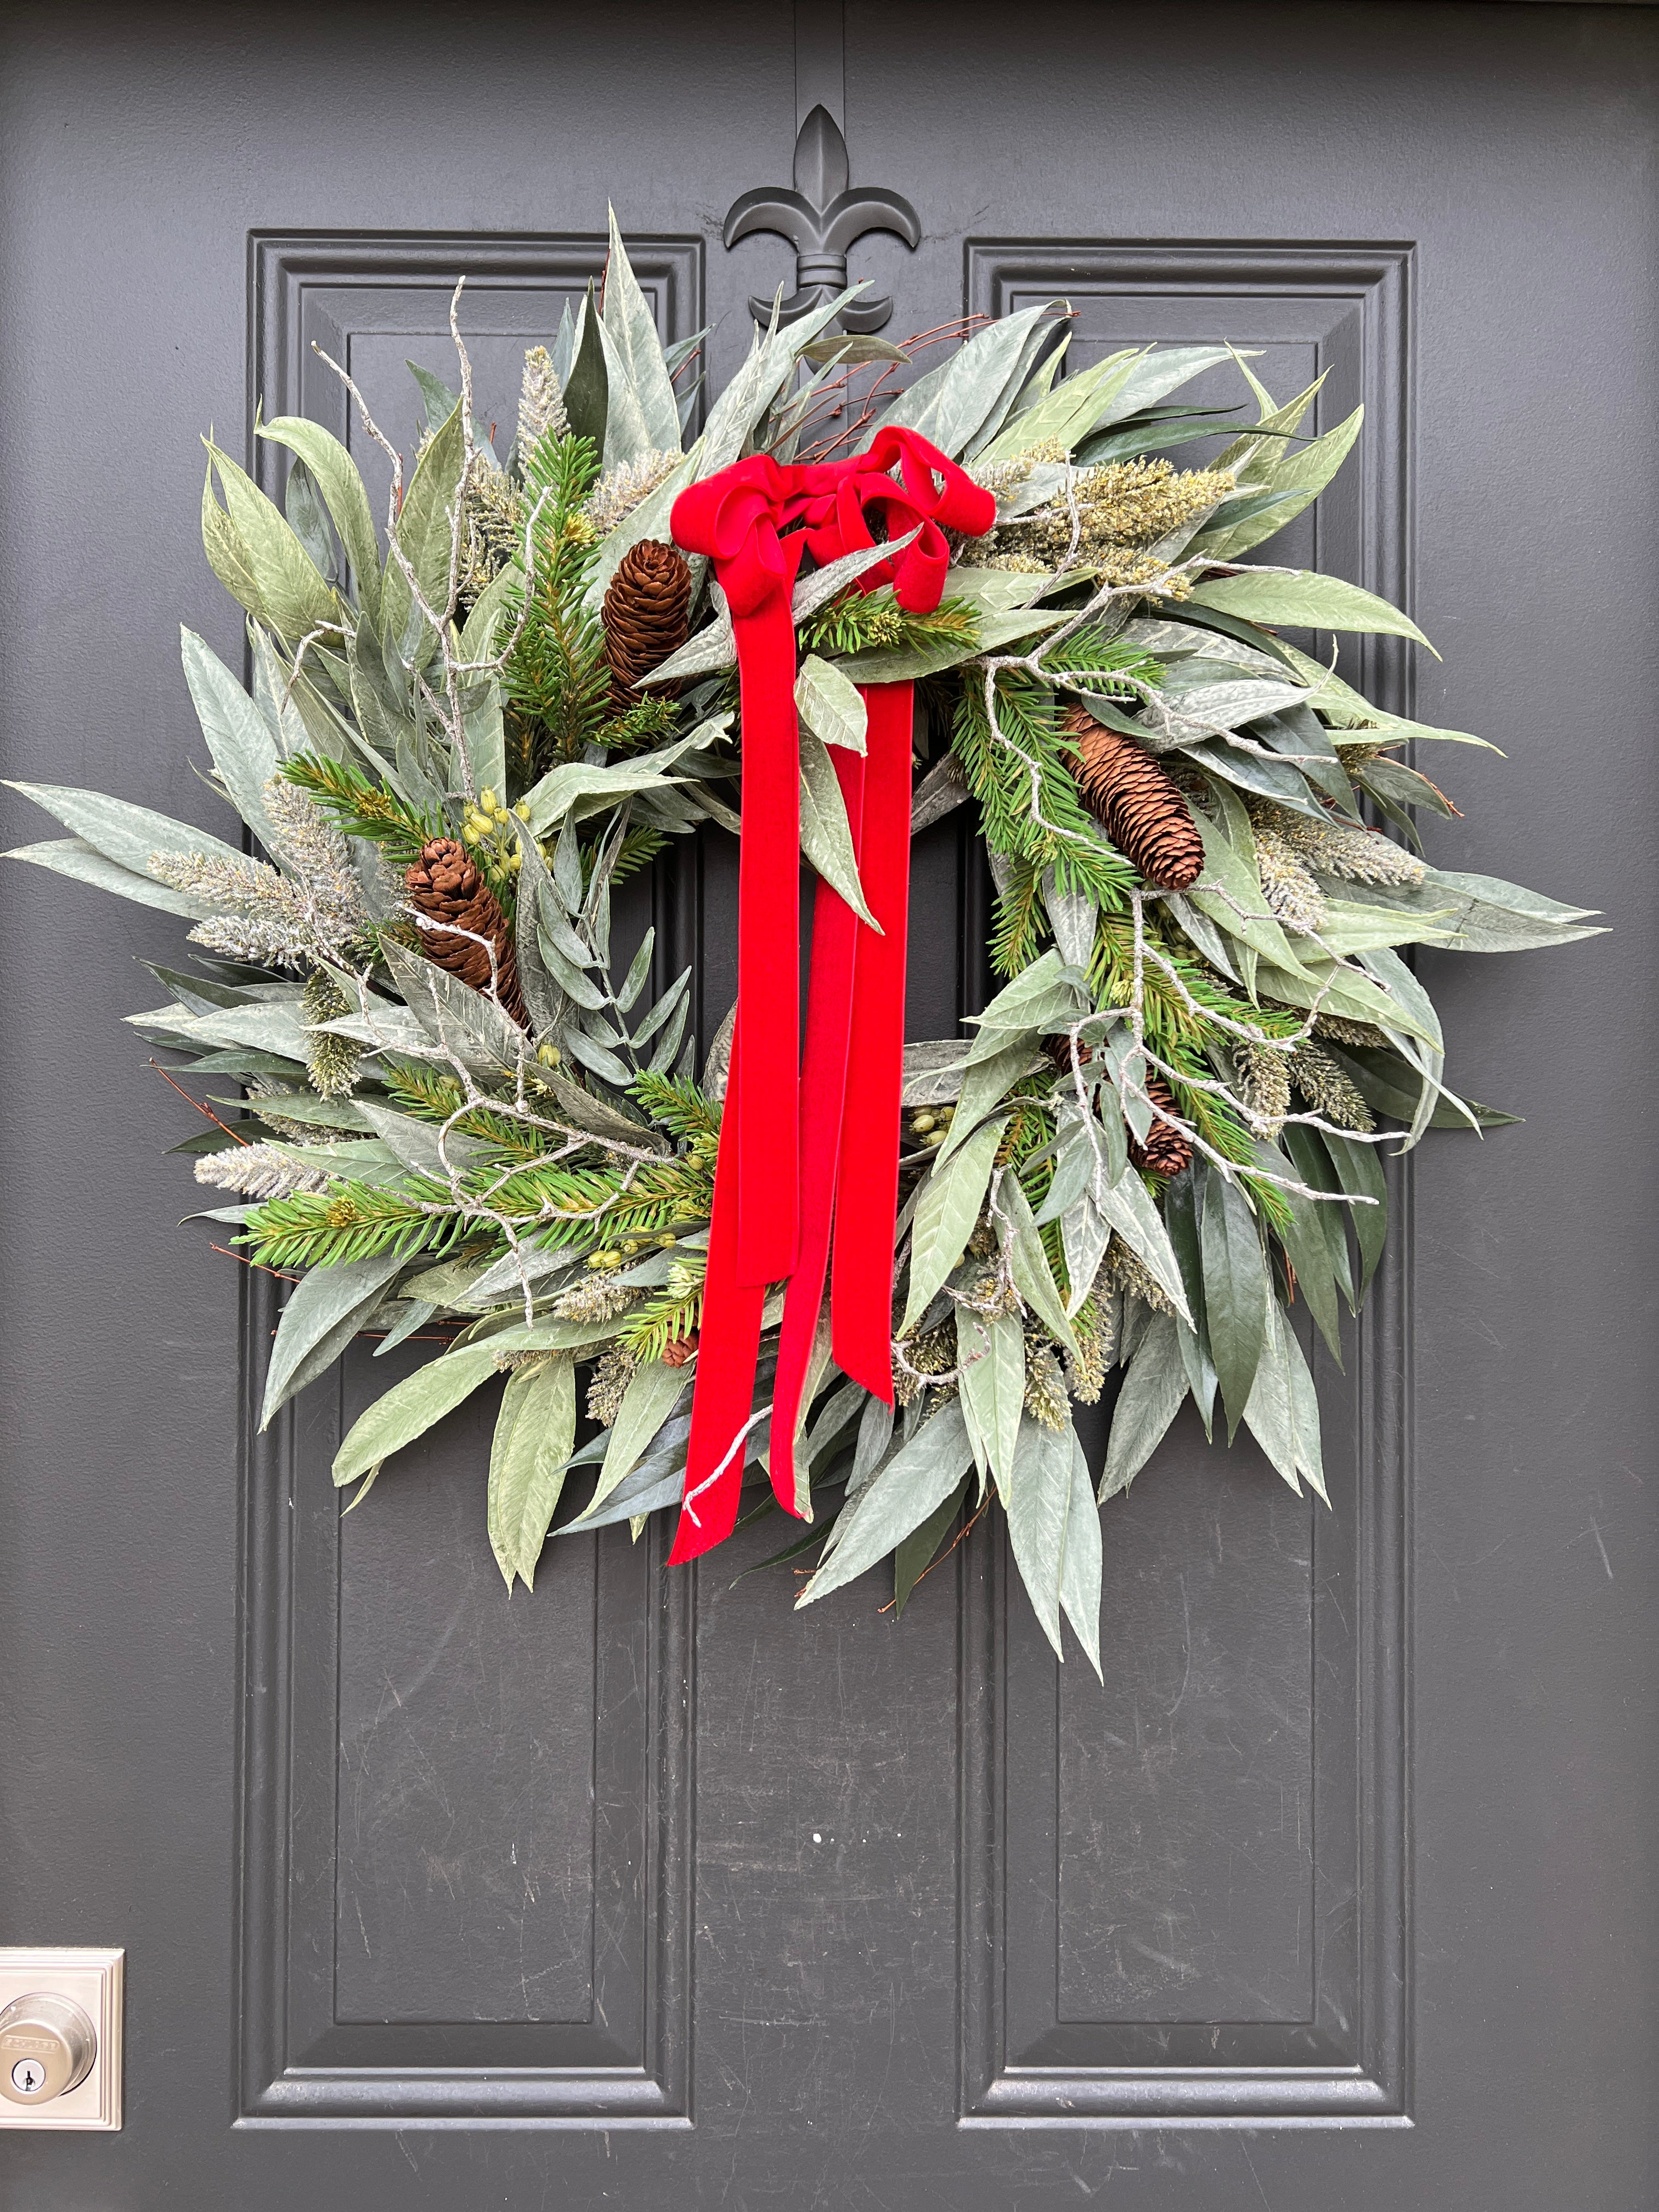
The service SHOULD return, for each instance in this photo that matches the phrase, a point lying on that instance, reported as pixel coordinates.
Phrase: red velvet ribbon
(809, 1159)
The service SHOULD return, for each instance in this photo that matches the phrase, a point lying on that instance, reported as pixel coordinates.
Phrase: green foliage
(352, 1221)
(556, 675)
(874, 621)
(678, 1103)
(361, 807)
(1029, 803)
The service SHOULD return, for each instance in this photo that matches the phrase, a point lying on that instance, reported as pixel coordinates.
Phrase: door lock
(47, 2045)
(60, 2038)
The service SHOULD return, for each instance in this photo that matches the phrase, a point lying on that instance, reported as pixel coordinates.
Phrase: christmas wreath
(856, 1280)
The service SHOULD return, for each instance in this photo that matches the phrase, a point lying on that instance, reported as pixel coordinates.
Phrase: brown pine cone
(1144, 814)
(1165, 1151)
(446, 887)
(647, 616)
(678, 1351)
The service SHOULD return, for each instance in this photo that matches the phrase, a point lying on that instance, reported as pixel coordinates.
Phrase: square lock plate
(91, 1979)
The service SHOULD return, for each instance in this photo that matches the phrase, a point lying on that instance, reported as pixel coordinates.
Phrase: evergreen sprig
(557, 672)
(361, 807)
(872, 621)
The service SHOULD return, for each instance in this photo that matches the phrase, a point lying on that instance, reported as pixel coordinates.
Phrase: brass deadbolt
(47, 2045)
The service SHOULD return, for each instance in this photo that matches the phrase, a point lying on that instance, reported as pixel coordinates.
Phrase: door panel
(641, 1887)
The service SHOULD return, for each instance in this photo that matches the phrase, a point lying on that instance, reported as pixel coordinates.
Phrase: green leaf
(1306, 601)
(1080, 1568)
(631, 328)
(535, 1429)
(1481, 914)
(1359, 1172)
(830, 705)
(238, 735)
(952, 403)
(457, 1020)
(992, 1349)
(994, 632)
(1039, 1502)
(1132, 1212)
(410, 1408)
(1345, 709)
(586, 392)
(1298, 477)
(1236, 1292)
(426, 535)
(1149, 1401)
(982, 1087)
(1283, 1412)
(575, 783)
(125, 834)
(74, 857)
(1029, 1263)
(947, 1206)
(826, 836)
(649, 1398)
(342, 488)
(226, 556)
(913, 1484)
(324, 1311)
(914, 1554)
(1070, 411)
(293, 596)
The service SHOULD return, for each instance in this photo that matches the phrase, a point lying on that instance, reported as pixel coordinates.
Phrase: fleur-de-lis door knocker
(821, 217)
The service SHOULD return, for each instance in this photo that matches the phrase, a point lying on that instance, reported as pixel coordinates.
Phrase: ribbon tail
(766, 1111)
(862, 1281)
(836, 930)
(722, 1399)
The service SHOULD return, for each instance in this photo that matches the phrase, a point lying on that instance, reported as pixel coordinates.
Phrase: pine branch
(557, 670)
(859, 622)
(362, 807)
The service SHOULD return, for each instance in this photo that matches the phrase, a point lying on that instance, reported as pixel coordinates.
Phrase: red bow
(802, 1160)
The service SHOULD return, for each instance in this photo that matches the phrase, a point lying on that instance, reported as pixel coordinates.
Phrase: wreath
(814, 1268)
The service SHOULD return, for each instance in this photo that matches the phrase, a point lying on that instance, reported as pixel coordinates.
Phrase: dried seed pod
(1165, 1151)
(1144, 814)
(647, 616)
(446, 887)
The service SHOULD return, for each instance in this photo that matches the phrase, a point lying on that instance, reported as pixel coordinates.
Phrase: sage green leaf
(599, 1058)
(1254, 455)
(1131, 1211)
(1480, 914)
(914, 1483)
(914, 1554)
(947, 1206)
(772, 357)
(1307, 1240)
(649, 1398)
(630, 325)
(1307, 601)
(992, 1350)
(269, 1025)
(1028, 1261)
(953, 403)
(908, 664)
(1039, 1502)
(1336, 991)
(1085, 1234)
(1161, 371)
(1283, 1412)
(1352, 926)
(238, 736)
(412, 1314)
(534, 1431)
(1298, 477)
(586, 394)
(478, 635)
(226, 556)
(294, 597)
(1359, 1171)
(1149, 1401)
(1345, 709)
(1236, 1292)
(1230, 895)
(74, 857)
(826, 836)
(485, 735)
(457, 1020)
(552, 799)
(830, 705)
(417, 1143)
(1073, 916)
(324, 1311)
(1069, 412)
(410, 1408)
(426, 537)
(342, 491)
(1082, 1564)
(125, 834)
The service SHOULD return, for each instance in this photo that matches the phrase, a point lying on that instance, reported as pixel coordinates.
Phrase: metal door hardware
(60, 2038)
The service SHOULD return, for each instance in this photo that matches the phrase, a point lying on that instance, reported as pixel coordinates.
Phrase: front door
(642, 1889)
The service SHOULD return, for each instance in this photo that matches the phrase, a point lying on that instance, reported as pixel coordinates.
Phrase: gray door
(643, 1890)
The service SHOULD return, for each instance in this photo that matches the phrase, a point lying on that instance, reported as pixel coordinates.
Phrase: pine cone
(1165, 1151)
(1144, 814)
(647, 616)
(446, 887)
(679, 1350)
